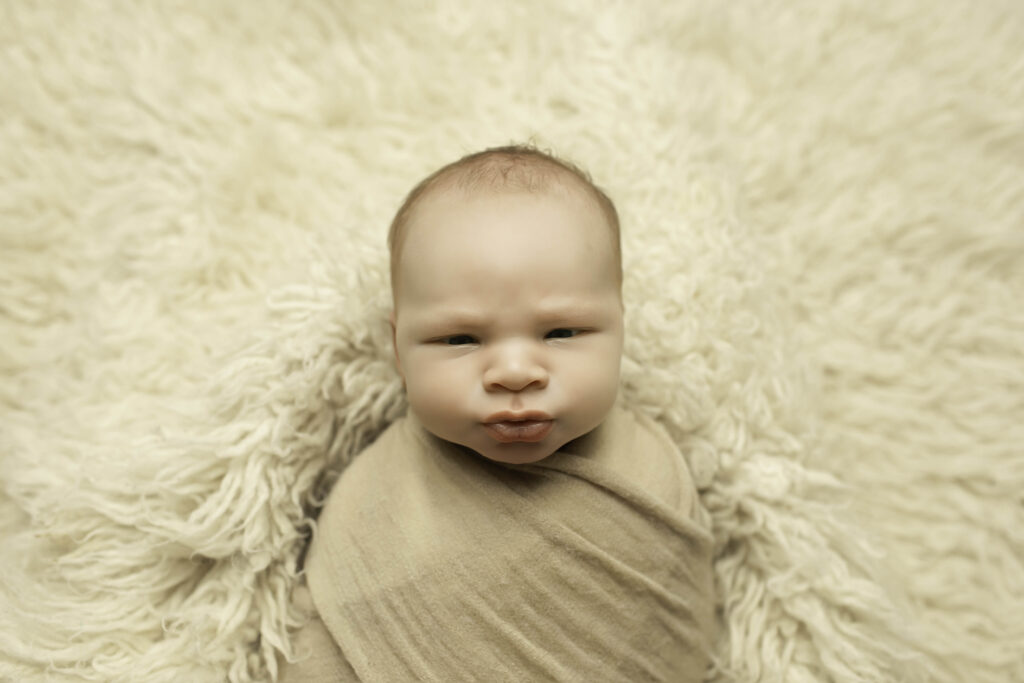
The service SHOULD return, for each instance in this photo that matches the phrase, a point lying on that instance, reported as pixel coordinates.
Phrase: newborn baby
(519, 523)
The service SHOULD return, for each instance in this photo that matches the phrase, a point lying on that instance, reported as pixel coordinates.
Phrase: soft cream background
(823, 208)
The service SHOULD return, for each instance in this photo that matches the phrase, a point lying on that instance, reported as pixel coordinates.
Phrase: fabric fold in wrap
(432, 563)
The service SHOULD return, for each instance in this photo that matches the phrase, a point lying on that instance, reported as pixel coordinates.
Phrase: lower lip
(527, 431)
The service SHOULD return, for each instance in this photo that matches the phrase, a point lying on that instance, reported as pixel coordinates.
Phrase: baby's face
(508, 320)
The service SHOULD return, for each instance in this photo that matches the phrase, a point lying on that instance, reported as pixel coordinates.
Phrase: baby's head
(506, 277)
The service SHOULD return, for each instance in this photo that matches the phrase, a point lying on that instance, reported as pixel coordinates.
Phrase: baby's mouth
(519, 431)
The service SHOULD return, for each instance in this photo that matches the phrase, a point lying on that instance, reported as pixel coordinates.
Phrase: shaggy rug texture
(823, 216)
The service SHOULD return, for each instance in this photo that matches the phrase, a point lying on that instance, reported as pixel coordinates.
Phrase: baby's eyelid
(574, 332)
(469, 339)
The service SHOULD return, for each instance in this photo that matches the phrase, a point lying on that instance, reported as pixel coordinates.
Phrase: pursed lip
(509, 416)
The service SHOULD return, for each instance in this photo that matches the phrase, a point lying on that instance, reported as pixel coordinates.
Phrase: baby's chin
(517, 453)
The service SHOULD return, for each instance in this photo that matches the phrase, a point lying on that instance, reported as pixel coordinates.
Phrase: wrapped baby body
(432, 563)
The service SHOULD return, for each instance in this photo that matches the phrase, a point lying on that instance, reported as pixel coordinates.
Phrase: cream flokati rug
(823, 209)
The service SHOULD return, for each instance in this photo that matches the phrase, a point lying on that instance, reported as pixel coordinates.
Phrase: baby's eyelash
(458, 340)
(468, 339)
(571, 333)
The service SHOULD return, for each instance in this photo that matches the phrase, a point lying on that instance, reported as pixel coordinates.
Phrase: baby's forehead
(462, 210)
(462, 235)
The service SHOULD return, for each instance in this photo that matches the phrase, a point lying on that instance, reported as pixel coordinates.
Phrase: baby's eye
(560, 333)
(459, 340)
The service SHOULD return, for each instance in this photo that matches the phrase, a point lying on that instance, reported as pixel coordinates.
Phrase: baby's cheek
(434, 389)
(591, 381)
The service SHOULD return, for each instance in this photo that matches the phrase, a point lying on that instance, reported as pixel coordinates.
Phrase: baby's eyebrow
(457, 318)
(559, 311)
(568, 309)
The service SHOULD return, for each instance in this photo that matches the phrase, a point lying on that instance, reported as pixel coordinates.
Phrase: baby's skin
(508, 317)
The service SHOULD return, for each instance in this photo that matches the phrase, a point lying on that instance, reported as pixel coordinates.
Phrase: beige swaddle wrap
(432, 563)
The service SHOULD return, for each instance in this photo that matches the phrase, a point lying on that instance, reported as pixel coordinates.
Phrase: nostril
(515, 379)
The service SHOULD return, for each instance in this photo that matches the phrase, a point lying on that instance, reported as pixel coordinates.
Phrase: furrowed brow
(568, 310)
(458, 319)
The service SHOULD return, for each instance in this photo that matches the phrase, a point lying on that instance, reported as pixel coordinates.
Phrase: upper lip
(509, 416)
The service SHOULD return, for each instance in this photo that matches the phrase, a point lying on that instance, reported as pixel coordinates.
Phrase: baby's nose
(515, 370)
